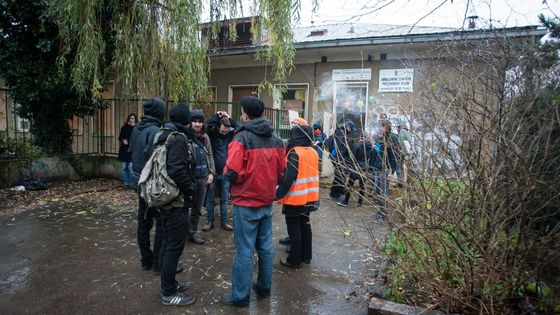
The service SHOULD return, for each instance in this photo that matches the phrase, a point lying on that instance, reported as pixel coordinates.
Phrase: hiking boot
(227, 227)
(284, 262)
(208, 226)
(343, 203)
(178, 299)
(284, 241)
(194, 238)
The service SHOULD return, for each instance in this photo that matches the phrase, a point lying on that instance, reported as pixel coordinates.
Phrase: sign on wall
(351, 74)
(396, 80)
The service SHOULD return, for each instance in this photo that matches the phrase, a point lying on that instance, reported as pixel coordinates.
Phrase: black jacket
(141, 141)
(126, 131)
(219, 142)
(300, 136)
(179, 167)
(342, 142)
(362, 152)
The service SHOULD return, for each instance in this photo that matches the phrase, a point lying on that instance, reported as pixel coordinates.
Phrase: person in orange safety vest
(299, 193)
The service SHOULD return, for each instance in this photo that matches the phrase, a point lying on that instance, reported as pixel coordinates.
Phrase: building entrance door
(237, 93)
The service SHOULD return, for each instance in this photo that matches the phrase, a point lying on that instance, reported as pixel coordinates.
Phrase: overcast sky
(447, 12)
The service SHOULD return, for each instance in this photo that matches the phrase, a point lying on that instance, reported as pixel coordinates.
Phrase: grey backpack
(155, 185)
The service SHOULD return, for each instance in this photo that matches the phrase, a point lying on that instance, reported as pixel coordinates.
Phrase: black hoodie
(141, 144)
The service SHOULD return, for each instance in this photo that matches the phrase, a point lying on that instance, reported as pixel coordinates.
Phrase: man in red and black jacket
(255, 165)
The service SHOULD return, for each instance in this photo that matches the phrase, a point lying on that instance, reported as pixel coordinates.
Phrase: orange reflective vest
(305, 188)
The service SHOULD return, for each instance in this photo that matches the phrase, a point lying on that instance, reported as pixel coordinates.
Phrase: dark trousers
(175, 227)
(196, 210)
(146, 218)
(299, 230)
(351, 180)
(337, 187)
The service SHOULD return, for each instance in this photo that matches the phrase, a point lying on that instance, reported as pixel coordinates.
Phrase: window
(21, 124)
(243, 37)
(293, 98)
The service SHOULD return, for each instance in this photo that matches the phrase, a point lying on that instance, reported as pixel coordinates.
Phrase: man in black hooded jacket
(174, 216)
(141, 148)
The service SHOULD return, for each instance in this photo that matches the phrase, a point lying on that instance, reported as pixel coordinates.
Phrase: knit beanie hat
(180, 113)
(197, 114)
(301, 121)
(252, 106)
(154, 107)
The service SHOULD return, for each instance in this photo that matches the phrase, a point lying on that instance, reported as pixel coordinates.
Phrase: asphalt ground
(72, 250)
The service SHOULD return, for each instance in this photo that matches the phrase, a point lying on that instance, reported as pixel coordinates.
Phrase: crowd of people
(368, 160)
(248, 166)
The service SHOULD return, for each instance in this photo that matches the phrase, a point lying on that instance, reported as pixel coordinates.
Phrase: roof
(343, 31)
(360, 34)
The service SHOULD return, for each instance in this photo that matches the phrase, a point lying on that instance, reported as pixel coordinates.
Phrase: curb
(379, 306)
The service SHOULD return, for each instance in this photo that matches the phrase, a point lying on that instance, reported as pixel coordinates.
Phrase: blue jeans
(222, 184)
(126, 172)
(252, 229)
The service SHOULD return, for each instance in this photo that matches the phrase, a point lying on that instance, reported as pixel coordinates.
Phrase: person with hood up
(296, 122)
(362, 152)
(141, 148)
(340, 145)
(204, 172)
(174, 217)
(254, 167)
(319, 140)
(299, 193)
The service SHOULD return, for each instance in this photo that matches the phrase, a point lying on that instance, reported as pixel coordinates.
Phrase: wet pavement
(78, 255)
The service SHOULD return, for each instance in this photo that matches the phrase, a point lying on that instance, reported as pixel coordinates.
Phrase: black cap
(197, 114)
(180, 113)
(154, 107)
(252, 106)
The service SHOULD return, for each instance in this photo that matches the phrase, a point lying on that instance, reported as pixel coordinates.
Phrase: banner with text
(396, 80)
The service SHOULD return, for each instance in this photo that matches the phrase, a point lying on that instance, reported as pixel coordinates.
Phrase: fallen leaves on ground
(93, 190)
